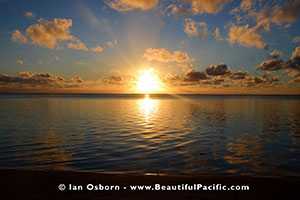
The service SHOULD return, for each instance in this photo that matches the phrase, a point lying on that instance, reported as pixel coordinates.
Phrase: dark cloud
(216, 70)
(283, 15)
(30, 79)
(213, 81)
(239, 75)
(222, 76)
(292, 66)
(296, 80)
(118, 79)
(286, 14)
(276, 54)
(193, 76)
(271, 65)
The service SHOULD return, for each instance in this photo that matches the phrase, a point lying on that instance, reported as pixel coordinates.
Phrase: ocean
(172, 134)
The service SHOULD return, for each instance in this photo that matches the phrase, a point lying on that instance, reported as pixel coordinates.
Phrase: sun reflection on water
(147, 106)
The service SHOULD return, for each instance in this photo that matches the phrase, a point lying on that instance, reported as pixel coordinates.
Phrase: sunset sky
(189, 46)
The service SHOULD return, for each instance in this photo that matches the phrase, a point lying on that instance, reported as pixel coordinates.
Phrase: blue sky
(125, 35)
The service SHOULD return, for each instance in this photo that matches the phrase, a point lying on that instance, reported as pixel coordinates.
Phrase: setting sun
(149, 82)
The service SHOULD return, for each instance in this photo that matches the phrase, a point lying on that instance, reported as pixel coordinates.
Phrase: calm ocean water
(252, 135)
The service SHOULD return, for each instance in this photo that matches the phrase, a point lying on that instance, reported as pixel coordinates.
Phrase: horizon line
(144, 94)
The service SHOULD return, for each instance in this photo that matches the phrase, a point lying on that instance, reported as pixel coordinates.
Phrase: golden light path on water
(147, 106)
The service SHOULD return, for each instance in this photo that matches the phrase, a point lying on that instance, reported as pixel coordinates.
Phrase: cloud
(296, 80)
(276, 54)
(286, 14)
(296, 53)
(263, 19)
(48, 33)
(283, 15)
(193, 76)
(33, 80)
(175, 9)
(111, 44)
(296, 40)
(271, 65)
(28, 14)
(246, 4)
(17, 36)
(166, 56)
(129, 5)
(221, 76)
(217, 34)
(195, 29)
(207, 6)
(239, 75)
(216, 70)
(77, 45)
(190, 27)
(118, 79)
(292, 66)
(20, 61)
(80, 46)
(51, 33)
(97, 49)
(245, 36)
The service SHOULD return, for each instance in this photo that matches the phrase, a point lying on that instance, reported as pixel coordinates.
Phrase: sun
(149, 82)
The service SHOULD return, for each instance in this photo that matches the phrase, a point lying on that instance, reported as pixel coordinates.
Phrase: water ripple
(196, 135)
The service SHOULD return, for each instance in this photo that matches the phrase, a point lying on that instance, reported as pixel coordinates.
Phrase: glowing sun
(149, 82)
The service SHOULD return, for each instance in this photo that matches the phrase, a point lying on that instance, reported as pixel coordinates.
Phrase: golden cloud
(245, 36)
(166, 56)
(49, 33)
(195, 29)
(28, 14)
(246, 4)
(97, 49)
(296, 53)
(17, 36)
(286, 14)
(128, 5)
(207, 6)
(78, 45)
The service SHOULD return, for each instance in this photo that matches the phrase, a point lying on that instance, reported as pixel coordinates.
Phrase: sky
(193, 46)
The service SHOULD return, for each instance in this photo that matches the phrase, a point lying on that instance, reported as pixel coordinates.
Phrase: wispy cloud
(29, 14)
(195, 29)
(166, 56)
(17, 36)
(34, 80)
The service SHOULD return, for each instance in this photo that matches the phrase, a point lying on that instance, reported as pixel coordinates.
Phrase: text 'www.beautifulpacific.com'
(154, 187)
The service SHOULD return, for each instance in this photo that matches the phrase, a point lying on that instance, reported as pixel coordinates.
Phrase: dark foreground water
(252, 135)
